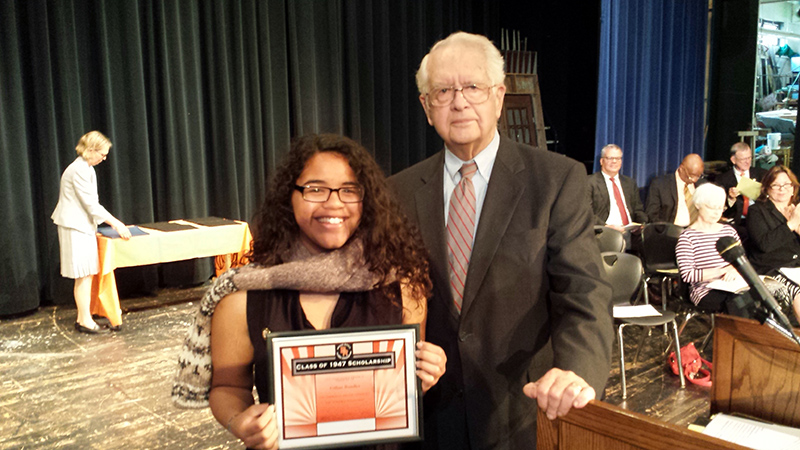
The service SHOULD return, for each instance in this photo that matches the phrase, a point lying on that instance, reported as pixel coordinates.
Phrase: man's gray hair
(608, 147)
(494, 60)
(740, 147)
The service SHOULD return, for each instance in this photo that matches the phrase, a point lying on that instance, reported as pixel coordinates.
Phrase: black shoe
(96, 330)
(115, 327)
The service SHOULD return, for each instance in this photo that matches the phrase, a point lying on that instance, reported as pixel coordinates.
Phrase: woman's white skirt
(78, 253)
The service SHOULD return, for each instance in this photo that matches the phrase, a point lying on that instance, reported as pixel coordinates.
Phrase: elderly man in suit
(615, 197)
(670, 196)
(520, 303)
(738, 204)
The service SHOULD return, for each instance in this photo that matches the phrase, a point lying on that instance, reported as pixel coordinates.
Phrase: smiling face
(326, 226)
(466, 128)
(781, 189)
(612, 161)
(742, 159)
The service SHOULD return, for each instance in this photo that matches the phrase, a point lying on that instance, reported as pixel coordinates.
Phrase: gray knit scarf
(341, 270)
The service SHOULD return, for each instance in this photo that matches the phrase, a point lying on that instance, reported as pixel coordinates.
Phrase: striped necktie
(687, 194)
(460, 229)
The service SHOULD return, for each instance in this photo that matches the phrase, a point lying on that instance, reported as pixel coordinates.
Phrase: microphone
(732, 252)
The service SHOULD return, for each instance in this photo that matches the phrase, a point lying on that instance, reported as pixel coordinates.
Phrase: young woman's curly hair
(392, 246)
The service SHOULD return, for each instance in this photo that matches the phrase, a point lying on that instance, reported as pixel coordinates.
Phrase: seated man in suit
(737, 204)
(670, 195)
(608, 184)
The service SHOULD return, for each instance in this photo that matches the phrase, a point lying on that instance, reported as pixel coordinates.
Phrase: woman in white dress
(77, 214)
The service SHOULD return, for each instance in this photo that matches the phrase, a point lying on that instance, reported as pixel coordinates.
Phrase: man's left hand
(558, 391)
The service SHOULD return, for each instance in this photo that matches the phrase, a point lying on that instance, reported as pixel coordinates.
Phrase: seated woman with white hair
(698, 259)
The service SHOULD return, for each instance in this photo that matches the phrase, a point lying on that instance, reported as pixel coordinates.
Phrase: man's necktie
(460, 228)
(746, 203)
(620, 204)
(687, 195)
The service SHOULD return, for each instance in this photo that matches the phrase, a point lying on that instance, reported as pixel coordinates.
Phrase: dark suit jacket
(535, 275)
(662, 199)
(772, 244)
(728, 180)
(601, 203)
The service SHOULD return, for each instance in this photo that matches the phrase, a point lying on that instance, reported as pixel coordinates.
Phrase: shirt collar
(484, 159)
(608, 177)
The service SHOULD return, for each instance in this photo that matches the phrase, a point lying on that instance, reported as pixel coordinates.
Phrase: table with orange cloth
(228, 243)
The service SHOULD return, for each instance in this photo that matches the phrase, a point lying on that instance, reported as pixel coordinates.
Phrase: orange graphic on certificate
(344, 388)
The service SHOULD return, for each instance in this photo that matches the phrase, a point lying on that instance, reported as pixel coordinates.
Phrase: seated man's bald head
(692, 167)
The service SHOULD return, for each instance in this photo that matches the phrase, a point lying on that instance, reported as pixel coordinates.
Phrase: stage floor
(62, 389)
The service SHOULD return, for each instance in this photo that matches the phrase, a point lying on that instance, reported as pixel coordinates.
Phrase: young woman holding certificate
(329, 197)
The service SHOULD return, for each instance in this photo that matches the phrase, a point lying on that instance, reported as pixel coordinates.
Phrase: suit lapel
(628, 192)
(429, 200)
(501, 200)
(673, 191)
(602, 189)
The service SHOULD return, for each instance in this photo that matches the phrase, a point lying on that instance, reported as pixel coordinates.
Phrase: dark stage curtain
(200, 99)
(651, 81)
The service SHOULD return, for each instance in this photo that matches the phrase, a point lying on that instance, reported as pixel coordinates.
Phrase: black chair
(609, 239)
(658, 257)
(625, 274)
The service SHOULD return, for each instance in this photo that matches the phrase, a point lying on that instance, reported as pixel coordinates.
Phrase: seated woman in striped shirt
(699, 261)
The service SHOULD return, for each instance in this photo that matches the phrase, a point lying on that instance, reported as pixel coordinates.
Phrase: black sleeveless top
(280, 310)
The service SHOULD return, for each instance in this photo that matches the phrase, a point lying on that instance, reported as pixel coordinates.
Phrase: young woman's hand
(431, 363)
(256, 427)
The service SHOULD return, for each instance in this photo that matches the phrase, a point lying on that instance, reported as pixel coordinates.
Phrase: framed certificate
(345, 387)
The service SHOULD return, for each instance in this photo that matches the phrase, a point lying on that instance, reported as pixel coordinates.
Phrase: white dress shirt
(682, 215)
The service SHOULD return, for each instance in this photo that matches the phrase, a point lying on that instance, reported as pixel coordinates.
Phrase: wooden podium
(756, 371)
(600, 426)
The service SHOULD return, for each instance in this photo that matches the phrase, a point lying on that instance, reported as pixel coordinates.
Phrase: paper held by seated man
(749, 188)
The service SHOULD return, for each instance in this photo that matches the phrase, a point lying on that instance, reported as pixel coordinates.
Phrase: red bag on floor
(693, 364)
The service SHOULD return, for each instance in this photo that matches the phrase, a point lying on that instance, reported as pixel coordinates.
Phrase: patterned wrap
(341, 270)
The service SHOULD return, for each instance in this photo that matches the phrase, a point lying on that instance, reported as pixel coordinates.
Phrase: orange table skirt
(228, 243)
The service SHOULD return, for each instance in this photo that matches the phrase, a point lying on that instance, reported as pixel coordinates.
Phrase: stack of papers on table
(109, 232)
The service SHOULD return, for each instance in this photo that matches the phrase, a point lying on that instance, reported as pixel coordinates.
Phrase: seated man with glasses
(738, 205)
(670, 195)
(615, 197)
(773, 224)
